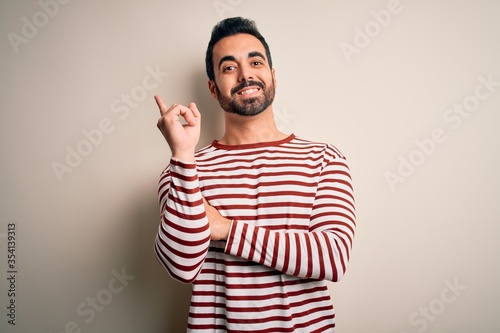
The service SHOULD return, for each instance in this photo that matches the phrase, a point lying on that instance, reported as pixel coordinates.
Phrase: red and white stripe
(293, 214)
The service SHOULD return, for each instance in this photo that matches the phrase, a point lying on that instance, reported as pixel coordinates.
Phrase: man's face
(244, 82)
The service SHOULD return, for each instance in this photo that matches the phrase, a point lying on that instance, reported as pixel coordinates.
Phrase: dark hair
(230, 27)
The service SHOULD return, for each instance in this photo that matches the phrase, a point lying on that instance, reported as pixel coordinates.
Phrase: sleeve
(183, 236)
(324, 250)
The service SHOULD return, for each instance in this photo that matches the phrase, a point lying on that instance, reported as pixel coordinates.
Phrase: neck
(246, 130)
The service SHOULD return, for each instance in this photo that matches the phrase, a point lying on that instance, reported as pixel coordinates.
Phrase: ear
(273, 73)
(213, 89)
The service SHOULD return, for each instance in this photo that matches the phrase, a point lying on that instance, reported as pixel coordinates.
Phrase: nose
(245, 74)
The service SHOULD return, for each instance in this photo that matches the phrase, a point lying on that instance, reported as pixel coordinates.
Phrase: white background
(67, 69)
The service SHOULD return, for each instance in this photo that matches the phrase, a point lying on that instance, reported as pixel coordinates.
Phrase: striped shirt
(292, 206)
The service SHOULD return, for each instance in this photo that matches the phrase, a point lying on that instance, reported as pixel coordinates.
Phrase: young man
(259, 219)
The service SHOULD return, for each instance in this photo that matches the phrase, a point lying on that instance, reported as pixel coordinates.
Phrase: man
(259, 219)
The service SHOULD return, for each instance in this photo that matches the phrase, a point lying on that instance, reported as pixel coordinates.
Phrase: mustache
(247, 84)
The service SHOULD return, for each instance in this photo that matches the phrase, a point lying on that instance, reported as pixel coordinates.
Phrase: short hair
(230, 27)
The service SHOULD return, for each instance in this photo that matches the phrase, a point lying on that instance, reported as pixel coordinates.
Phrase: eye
(229, 68)
(257, 63)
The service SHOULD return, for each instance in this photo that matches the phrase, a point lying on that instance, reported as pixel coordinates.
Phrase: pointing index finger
(161, 105)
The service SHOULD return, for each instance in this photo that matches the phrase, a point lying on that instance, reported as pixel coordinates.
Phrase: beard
(251, 106)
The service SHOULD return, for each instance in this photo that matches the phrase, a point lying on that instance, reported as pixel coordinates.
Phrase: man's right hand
(182, 138)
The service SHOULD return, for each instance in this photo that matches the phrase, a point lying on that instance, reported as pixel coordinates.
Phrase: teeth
(249, 91)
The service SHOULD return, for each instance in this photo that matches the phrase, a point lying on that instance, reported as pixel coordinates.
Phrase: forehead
(238, 46)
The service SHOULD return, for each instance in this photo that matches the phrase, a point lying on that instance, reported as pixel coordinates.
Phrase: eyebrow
(250, 55)
(226, 58)
(256, 54)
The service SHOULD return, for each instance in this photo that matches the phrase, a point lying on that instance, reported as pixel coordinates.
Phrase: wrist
(184, 156)
(227, 228)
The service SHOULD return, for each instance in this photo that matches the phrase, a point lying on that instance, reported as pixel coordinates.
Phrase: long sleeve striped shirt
(293, 221)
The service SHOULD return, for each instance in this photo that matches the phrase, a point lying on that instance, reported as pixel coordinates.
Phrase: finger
(161, 105)
(206, 204)
(195, 110)
(193, 115)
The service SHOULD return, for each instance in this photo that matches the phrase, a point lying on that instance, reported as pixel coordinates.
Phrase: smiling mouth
(247, 88)
(248, 91)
